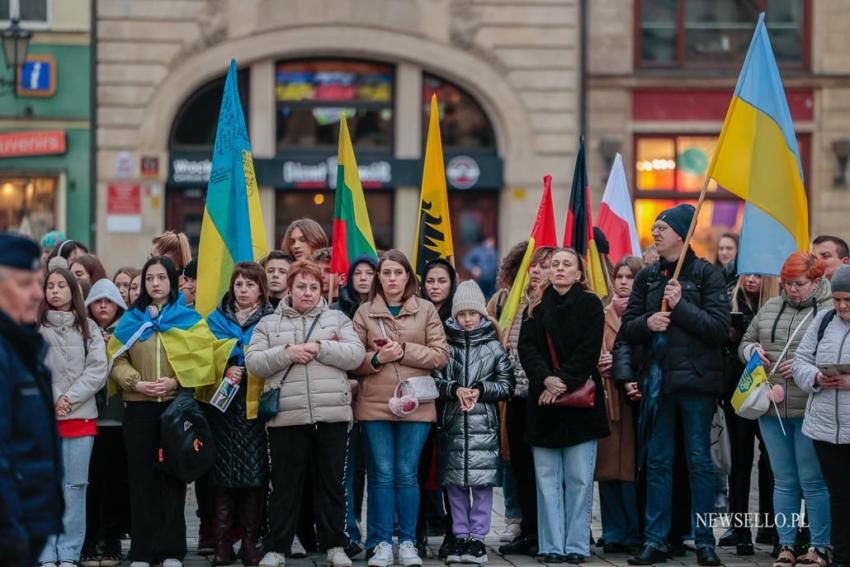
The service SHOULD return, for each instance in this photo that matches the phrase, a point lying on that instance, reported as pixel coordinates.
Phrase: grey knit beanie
(105, 289)
(468, 297)
(841, 279)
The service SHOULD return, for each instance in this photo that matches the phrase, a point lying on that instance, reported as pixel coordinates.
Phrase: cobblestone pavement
(727, 555)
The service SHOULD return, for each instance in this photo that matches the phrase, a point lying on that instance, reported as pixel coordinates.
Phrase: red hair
(306, 267)
(802, 264)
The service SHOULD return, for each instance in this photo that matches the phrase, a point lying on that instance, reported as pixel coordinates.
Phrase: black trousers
(742, 436)
(522, 466)
(108, 494)
(833, 462)
(157, 500)
(296, 452)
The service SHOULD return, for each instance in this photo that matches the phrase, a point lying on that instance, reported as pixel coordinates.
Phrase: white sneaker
(67, 564)
(338, 558)
(139, 564)
(273, 559)
(511, 531)
(47, 564)
(297, 551)
(408, 554)
(172, 563)
(383, 556)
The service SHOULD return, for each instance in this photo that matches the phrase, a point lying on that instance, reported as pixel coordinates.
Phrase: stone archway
(478, 77)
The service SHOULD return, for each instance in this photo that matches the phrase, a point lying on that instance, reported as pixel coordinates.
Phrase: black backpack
(186, 446)
(824, 323)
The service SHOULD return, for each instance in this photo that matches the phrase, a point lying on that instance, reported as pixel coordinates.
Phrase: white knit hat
(105, 289)
(468, 297)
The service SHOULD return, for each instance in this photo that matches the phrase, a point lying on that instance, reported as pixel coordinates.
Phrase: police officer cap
(19, 252)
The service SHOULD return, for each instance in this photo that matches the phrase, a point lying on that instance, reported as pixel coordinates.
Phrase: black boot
(729, 538)
(520, 546)
(648, 556)
(707, 557)
(745, 542)
(222, 520)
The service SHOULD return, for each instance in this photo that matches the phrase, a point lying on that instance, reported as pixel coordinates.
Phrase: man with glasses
(696, 321)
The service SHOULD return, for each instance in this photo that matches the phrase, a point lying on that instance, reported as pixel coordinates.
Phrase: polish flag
(617, 216)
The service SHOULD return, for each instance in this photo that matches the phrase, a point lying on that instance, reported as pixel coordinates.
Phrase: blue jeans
(696, 414)
(564, 497)
(76, 452)
(618, 503)
(394, 448)
(512, 511)
(796, 469)
(351, 527)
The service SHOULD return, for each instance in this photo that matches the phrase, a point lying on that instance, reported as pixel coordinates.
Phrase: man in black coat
(696, 324)
(30, 474)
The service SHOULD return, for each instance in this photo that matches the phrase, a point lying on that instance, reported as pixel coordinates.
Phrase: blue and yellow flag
(232, 230)
(190, 346)
(757, 159)
(750, 399)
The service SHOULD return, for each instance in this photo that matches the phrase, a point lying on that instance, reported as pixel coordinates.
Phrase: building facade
(660, 77)
(506, 74)
(45, 128)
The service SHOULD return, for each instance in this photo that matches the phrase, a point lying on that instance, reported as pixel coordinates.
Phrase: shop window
(28, 205)
(717, 33)
(31, 11)
(312, 95)
(463, 123)
(475, 216)
(670, 169)
(194, 128)
(319, 206)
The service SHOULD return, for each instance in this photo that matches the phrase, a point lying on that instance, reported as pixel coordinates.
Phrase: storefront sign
(124, 208)
(462, 172)
(310, 170)
(40, 143)
(37, 77)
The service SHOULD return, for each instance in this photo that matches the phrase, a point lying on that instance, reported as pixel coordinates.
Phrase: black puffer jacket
(576, 323)
(468, 442)
(242, 461)
(698, 331)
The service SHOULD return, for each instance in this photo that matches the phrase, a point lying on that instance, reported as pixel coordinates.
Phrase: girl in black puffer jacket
(477, 376)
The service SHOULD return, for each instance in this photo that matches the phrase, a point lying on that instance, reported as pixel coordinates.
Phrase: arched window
(312, 94)
(464, 125)
(196, 121)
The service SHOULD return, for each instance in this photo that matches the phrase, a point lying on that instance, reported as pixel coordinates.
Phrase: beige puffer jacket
(771, 328)
(79, 370)
(419, 329)
(319, 390)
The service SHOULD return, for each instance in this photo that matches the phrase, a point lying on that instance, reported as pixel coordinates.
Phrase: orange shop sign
(32, 143)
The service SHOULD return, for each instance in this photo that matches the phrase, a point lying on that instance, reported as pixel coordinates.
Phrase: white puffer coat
(827, 410)
(79, 369)
(315, 392)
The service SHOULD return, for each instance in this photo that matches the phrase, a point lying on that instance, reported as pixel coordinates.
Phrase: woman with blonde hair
(174, 246)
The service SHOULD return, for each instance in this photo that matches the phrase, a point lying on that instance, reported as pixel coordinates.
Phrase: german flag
(578, 232)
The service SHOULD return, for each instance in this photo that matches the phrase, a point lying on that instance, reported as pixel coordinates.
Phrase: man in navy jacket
(30, 471)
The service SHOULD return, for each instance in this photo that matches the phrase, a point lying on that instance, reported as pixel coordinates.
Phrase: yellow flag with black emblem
(434, 227)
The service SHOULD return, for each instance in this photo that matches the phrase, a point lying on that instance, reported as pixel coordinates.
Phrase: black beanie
(679, 218)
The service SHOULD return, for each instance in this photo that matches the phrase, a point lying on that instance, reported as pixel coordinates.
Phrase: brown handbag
(583, 397)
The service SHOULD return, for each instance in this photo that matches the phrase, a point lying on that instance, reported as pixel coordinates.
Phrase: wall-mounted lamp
(841, 149)
(16, 41)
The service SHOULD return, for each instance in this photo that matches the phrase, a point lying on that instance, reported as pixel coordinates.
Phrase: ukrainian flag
(232, 229)
(757, 159)
(193, 352)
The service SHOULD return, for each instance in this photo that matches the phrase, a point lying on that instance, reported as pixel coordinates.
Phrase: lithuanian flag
(192, 350)
(542, 234)
(352, 231)
(434, 227)
(578, 233)
(232, 229)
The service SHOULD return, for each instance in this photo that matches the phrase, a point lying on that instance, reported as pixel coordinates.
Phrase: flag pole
(664, 306)
(331, 288)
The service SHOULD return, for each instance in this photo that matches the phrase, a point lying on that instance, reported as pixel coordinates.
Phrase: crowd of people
(401, 388)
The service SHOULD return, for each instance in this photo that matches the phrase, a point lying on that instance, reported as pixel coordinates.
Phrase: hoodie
(445, 311)
(110, 409)
(347, 301)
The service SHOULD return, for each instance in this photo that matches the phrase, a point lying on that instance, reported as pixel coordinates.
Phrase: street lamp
(15, 43)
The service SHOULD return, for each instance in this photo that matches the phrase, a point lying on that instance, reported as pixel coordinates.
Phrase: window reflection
(463, 123)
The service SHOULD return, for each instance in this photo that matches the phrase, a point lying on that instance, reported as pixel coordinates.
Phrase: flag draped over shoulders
(232, 229)
(185, 336)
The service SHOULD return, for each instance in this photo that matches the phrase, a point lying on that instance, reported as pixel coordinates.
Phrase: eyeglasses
(659, 227)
